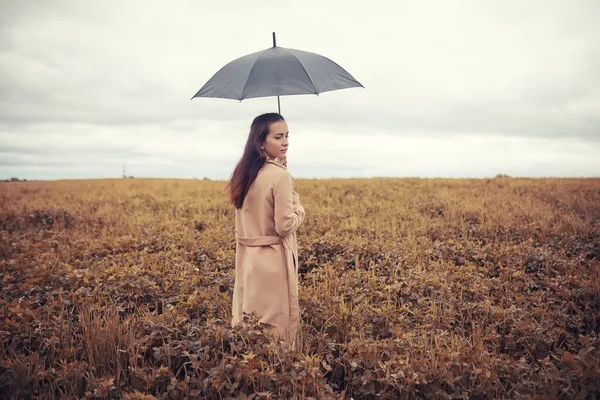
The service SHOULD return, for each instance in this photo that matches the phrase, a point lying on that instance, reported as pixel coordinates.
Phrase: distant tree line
(14, 180)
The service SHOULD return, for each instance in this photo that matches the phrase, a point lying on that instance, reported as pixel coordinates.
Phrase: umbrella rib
(340, 67)
(249, 72)
(306, 72)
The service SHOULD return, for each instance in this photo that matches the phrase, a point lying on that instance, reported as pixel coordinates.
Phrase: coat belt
(259, 240)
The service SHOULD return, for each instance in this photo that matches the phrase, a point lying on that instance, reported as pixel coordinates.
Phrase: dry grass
(410, 288)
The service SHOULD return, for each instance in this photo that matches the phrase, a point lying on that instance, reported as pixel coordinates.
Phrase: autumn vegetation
(409, 288)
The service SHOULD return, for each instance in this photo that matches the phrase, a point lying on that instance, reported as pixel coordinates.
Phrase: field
(409, 288)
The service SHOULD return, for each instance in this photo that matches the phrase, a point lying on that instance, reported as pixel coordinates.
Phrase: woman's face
(276, 142)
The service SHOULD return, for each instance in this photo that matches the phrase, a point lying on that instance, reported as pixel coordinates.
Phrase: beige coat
(266, 262)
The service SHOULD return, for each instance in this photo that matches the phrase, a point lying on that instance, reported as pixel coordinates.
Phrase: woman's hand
(282, 160)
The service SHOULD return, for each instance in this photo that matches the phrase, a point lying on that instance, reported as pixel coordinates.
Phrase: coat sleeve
(287, 209)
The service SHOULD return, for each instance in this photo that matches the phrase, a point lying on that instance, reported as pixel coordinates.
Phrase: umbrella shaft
(278, 105)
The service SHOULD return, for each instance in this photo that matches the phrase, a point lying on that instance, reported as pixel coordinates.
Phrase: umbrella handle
(278, 103)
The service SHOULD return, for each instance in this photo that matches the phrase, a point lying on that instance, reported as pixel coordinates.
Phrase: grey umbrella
(277, 71)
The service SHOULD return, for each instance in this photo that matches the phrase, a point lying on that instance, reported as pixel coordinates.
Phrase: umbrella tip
(274, 41)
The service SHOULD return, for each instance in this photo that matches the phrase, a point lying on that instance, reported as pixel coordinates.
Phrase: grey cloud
(33, 148)
(431, 69)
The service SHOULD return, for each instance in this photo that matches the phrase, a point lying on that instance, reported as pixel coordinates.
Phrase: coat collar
(272, 161)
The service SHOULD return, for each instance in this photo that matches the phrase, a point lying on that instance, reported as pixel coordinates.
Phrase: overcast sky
(452, 88)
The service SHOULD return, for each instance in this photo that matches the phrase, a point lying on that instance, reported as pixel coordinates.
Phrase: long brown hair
(252, 160)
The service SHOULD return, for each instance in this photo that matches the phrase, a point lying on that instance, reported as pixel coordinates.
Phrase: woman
(268, 213)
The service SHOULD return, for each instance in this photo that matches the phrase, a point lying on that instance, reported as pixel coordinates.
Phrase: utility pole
(124, 172)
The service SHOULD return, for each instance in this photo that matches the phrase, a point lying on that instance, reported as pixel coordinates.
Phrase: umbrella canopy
(277, 71)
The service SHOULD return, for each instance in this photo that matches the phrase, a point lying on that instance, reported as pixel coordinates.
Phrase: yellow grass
(412, 288)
